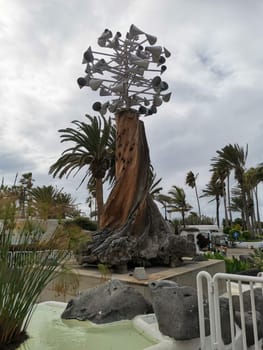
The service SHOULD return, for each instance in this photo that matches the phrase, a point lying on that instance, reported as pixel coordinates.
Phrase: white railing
(208, 289)
(18, 258)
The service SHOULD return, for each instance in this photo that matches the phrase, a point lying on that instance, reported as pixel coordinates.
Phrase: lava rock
(176, 309)
(248, 314)
(178, 248)
(109, 302)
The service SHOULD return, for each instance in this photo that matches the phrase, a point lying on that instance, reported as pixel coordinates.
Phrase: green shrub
(71, 236)
(83, 222)
(216, 255)
(246, 236)
(233, 265)
(226, 229)
(238, 221)
(72, 232)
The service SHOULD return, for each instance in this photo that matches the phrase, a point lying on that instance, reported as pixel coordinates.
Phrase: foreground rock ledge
(176, 310)
(109, 302)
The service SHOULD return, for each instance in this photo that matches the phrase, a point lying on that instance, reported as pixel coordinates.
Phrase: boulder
(176, 310)
(179, 247)
(249, 325)
(109, 302)
(248, 314)
(247, 301)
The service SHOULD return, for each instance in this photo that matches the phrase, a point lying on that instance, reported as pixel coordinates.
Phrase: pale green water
(48, 332)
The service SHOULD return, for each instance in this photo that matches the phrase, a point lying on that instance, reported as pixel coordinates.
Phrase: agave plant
(21, 280)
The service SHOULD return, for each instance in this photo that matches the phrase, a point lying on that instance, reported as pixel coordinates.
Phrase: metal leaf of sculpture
(121, 72)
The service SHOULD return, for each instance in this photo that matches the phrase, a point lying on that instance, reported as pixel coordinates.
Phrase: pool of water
(47, 331)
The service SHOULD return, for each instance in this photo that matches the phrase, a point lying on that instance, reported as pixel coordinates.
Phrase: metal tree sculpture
(132, 229)
(124, 74)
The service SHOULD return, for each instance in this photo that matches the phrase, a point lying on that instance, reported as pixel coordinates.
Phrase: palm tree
(178, 202)
(164, 200)
(92, 149)
(221, 172)
(65, 206)
(253, 177)
(191, 182)
(214, 189)
(235, 157)
(154, 188)
(236, 203)
(51, 203)
(8, 199)
(259, 177)
(43, 201)
(24, 198)
(91, 199)
(111, 173)
(193, 219)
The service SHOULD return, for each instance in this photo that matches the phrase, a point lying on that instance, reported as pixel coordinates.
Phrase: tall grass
(22, 283)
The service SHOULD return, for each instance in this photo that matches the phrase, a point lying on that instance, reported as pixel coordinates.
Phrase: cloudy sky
(215, 74)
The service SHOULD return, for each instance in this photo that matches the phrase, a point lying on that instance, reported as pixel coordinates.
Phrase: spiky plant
(21, 280)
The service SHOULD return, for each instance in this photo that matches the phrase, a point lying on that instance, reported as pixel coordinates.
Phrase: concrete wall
(88, 278)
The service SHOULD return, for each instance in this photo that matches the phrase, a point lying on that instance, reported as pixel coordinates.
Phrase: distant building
(204, 228)
(205, 237)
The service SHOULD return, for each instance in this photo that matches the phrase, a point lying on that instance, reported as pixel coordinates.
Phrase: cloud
(214, 73)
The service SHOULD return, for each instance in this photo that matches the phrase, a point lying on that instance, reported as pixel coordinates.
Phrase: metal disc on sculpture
(123, 69)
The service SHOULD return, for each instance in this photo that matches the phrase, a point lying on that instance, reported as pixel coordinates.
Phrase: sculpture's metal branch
(123, 74)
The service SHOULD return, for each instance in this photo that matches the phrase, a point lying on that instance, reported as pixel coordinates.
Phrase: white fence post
(238, 341)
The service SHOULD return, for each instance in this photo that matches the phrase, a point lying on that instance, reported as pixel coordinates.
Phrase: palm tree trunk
(183, 218)
(253, 222)
(245, 198)
(217, 211)
(229, 199)
(243, 219)
(165, 211)
(99, 199)
(257, 210)
(252, 212)
(225, 204)
(198, 202)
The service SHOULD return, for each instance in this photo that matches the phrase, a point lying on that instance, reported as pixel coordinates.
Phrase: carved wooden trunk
(133, 231)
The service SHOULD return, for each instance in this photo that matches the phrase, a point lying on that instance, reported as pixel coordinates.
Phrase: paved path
(238, 251)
